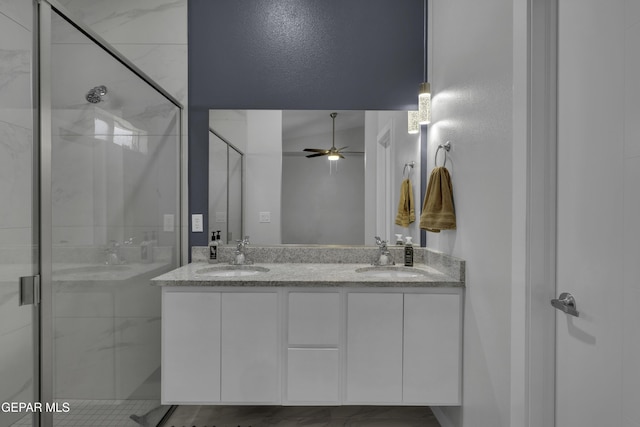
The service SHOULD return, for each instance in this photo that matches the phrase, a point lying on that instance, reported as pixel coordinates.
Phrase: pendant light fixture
(413, 126)
(423, 115)
(424, 93)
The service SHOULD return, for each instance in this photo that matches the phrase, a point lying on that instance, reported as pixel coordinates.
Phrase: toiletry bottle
(213, 249)
(399, 241)
(408, 253)
(144, 249)
(152, 245)
(220, 242)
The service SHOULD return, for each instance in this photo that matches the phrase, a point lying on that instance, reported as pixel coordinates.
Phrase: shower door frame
(43, 86)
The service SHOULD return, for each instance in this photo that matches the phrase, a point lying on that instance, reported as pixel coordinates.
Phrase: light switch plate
(265, 216)
(197, 223)
(169, 223)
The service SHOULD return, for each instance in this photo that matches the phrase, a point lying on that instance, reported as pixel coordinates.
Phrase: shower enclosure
(106, 221)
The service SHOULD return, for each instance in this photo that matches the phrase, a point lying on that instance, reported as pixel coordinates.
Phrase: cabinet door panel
(314, 318)
(190, 347)
(250, 348)
(431, 349)
(374, 348)
(313, 375)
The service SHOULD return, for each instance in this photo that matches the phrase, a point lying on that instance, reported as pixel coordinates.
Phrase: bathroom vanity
(313, 326)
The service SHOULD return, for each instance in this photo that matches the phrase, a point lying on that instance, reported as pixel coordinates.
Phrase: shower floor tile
(99, 413)
(296, 416)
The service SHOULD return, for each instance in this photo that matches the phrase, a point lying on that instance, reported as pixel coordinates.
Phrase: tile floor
(101, 413)
(298, 416)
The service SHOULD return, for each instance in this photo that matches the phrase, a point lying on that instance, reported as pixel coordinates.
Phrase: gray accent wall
(296, 54)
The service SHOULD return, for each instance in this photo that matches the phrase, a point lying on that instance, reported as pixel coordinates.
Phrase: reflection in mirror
(292, 199)
(225, 188)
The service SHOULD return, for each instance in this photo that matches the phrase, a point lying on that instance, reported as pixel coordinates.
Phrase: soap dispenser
(408, 252)
(213, 249)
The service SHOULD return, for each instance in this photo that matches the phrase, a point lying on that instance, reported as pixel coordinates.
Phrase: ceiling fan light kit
(333, 153)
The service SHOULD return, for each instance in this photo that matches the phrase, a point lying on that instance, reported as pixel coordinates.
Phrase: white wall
(471, 79)
(323, 203)
(263, 175)
(630, 250)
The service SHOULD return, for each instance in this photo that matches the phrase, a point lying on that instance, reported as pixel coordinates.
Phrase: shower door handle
(566, 303)
(29, 290)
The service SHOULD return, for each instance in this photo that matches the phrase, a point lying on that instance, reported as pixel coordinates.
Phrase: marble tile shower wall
(152, 34)
(95, 178)
(16, 160)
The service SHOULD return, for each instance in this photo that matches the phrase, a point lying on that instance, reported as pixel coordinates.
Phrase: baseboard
(441, 417)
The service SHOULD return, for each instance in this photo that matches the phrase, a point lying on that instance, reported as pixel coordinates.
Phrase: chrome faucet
(384, 256)
(241, 258)
(113, 254)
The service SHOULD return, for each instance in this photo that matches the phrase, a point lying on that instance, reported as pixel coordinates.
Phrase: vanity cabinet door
(190, 347)
(250, 324)
(432, 349)
(374, 347)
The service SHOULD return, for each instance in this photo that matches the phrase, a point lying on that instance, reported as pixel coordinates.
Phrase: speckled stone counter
(319, 266)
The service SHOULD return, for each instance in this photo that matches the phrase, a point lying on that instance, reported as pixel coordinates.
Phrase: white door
(598, 241)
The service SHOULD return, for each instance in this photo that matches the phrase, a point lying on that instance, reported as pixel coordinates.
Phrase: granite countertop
(307, 275)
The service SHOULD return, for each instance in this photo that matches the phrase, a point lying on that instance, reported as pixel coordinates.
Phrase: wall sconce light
(424, 104)
(413, 124)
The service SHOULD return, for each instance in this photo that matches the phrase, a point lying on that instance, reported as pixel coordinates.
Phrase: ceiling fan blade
(316, 155)
(316, 150)
(352, 152)
(340, 149)
(341, 156)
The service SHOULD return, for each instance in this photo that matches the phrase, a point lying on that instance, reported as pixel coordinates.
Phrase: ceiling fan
(333, 153)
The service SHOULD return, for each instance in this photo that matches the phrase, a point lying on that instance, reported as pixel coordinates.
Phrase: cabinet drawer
(314, 318)
(313, 375)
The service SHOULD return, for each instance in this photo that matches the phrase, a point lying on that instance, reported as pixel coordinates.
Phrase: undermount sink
(231, 271)
(391, 272)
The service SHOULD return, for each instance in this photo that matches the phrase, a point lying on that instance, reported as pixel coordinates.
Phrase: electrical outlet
(265, 216)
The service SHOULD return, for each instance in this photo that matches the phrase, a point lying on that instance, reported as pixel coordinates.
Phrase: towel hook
(446, 147)
(409, 165)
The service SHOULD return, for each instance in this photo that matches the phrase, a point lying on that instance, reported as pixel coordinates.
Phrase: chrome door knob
(567, 303)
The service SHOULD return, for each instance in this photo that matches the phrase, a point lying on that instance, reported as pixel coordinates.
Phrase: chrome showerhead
(95, 95)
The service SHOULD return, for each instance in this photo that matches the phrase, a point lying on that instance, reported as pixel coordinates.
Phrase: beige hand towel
(406, 210)
(438, 212)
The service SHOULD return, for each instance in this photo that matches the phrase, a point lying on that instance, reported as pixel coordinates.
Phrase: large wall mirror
(285, 197)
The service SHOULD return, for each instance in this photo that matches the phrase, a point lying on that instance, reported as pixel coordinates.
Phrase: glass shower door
(18, 230)
(115, 143)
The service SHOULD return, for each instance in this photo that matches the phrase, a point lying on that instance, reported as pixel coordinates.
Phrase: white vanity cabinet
(190, 346)
(403, 348)
(220, 347)
(374, 348)
(249, 348)
(312, 346)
